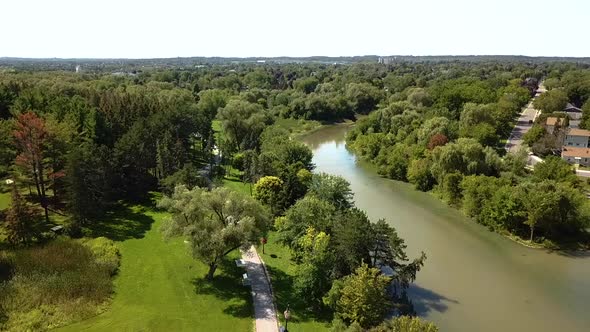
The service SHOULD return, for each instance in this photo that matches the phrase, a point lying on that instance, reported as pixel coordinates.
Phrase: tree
(88, 182)
(389, 250)
(534, 135)
(585, 123)
(436, 126)
(405, 324)
(465, 156)
(361, 297)
(216, 222)
(20, 220)
(306, 84)
(188, 176)
(243, 123)
(363, 97)
(306, 212)
(437, 140)
(30, 136)
(451, 188)
(554, 168)
(332, 188)
(352, 241)
(419, 174)
(552, 101)
(313, 278)
(268, 191)
(7, 148)
(394, 161)
(476, 191)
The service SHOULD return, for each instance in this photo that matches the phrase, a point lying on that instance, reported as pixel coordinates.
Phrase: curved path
(264, 310)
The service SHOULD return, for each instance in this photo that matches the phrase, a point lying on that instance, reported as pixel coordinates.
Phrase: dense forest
(447, 135)
(75, 146)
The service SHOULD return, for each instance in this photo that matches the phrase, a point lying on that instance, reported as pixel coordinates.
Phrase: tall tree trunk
(212, 268)
(532, 231)
(41, 185)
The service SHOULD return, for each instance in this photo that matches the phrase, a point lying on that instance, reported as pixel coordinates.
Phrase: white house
(577, 138)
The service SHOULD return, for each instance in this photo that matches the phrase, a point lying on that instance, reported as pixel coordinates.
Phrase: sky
(268, 28)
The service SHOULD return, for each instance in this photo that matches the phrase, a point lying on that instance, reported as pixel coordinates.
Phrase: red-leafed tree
(30, 136)
(437, 140)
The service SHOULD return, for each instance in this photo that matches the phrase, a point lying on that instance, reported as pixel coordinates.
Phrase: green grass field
(278, 261)
(160, 287)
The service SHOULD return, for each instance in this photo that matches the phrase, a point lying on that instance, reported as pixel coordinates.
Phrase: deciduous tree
(30, 136)
(215, 222)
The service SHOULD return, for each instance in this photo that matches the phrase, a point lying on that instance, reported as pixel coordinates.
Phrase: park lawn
(160, 287)
(278, 262)
(237, 185)
(4, 200)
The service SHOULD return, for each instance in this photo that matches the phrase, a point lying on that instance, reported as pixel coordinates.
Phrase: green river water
(473, 279)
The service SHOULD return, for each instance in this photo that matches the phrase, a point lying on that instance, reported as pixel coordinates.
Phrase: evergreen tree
(20, 220)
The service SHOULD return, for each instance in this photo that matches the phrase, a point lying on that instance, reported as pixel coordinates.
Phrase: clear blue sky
(171, 28)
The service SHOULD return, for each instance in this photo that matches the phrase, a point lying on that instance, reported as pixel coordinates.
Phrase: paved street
(524, 123)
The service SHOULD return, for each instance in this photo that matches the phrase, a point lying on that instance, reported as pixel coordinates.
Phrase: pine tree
(20, 220)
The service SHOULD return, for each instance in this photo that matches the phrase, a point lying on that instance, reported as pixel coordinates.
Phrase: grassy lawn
(237, 185)
(4, 199)
(282, 270)
(298, 126)
(160, 287)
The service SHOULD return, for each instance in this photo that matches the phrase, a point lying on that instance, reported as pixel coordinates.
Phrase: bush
(56, 284)
(105, 253)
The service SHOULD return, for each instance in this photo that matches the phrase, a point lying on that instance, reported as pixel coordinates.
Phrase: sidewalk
(264, 309)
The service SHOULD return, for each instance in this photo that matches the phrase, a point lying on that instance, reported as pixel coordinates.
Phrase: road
(524, 123)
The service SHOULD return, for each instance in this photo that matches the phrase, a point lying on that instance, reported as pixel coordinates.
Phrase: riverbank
(464, 258)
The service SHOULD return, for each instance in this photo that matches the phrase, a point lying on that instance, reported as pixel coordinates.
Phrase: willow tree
(215, 222)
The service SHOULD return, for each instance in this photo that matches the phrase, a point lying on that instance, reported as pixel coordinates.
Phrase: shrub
(52, 285)
(105, 253)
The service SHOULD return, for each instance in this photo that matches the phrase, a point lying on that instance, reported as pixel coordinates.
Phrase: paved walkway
(264, 309)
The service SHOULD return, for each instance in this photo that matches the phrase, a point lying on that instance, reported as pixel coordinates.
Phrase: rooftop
(551, 121)
(578, 132)
(570, 107)
(569, 151)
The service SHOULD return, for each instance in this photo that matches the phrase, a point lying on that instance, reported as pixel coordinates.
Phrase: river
(473, 279)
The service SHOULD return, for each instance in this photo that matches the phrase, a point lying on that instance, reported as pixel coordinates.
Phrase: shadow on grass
(122, 223)
(227, 286)
(426, 300)
(282, 284)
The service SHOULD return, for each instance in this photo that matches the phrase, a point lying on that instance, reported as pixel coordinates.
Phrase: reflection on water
(473, 280)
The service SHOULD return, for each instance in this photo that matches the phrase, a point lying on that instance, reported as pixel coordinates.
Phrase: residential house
(551, 122)
(573, 112)
(577, 138)
(576, 155)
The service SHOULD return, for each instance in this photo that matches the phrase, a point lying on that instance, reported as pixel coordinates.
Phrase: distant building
(577, 138)
(574, 155)
(386, 60)
(78, 68)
